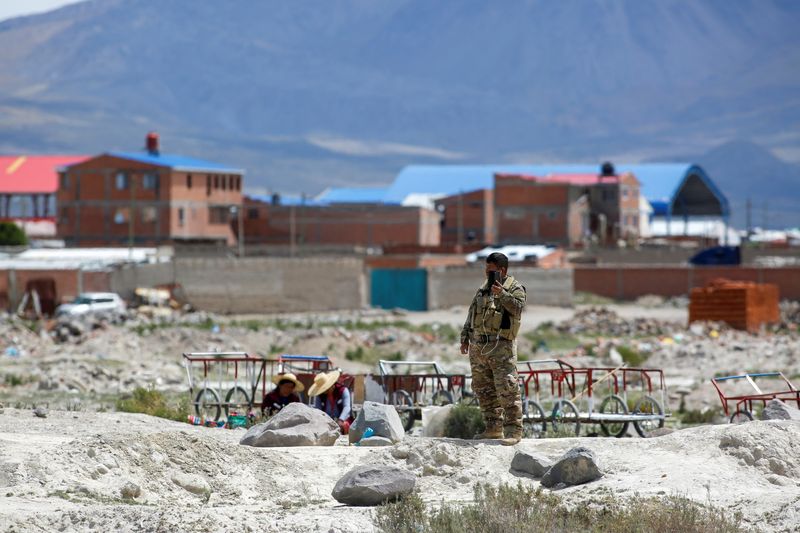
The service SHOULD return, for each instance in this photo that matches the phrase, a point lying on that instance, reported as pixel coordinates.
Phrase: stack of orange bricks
(740, 304)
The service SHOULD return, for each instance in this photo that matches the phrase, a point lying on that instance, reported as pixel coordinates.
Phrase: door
(405, 288)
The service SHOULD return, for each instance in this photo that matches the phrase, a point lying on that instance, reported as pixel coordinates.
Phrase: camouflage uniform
(491, 329)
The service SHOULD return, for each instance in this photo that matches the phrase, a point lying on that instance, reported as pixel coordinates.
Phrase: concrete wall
(126, 279)
(456, 286)
(629, 282)
(272, 285)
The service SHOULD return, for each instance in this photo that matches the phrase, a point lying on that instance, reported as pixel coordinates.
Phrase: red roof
(21, 174)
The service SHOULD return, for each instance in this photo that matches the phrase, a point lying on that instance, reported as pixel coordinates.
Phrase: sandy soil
(66, 472)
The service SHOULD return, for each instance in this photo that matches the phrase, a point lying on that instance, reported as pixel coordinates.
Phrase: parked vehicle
(93, 303)
(516, 253)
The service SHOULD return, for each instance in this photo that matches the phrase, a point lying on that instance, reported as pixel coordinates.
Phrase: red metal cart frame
(743, 411)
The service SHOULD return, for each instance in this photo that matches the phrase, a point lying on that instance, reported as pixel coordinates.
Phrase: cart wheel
(469, 399)
(405, 408)
(613, 405)
(207, 404)
(565, 418)
(442, 397)
(647, 405)
(236, 398)
(741, 416)
(534, 423)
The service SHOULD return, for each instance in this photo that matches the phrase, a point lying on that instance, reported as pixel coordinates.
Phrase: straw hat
(323, 382)
(298, 387)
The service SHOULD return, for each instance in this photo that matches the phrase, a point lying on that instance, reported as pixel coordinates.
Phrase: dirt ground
(67, 472)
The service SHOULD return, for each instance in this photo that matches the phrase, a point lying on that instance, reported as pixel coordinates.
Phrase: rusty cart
(778, 388)
(561, 397)
(234, 376)
(410, 385)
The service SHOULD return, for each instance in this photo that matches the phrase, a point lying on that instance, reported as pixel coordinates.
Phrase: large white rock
(373, 485)
(777, 410)
(577, 466)
(382, 418)
(297, 424)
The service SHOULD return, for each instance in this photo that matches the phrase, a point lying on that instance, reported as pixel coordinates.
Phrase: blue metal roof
(352, 195)
(177, 162)
(659, 181)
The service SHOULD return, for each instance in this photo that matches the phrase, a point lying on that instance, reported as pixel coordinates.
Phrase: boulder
(191, 483)
(375, 441)
(297, 424)
(777, 410)
(373, 485)
(577, 466)
(530, 463)
(382, 418)
(40, 412)
(130, 490)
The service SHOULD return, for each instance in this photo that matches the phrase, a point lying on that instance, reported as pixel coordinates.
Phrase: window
(64, 215)
(121, 215)
(224, 182)
(624, 190)
(65, 181)
(121, 181)
(149, 214)
(252, 213)
(216, 181)
(208, 185)
(150, 181)
(218, 214)
(181, 216)
(188, 181)
(551, 215)
(238, 183)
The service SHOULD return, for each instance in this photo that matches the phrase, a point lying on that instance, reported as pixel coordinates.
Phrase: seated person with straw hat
(333, 398)
(283, 394)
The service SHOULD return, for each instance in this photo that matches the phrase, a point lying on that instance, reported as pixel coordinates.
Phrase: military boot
(490, 433)
(512, 436)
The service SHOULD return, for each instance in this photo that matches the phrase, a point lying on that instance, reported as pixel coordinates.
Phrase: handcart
(237, 375)
(778, 388)
(410, 385)
(305, 367)
(561, 388)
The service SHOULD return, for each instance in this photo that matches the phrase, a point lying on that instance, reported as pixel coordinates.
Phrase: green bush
(153, 402)
(464, 422)
(631, 356)
(12, 235)
(520, 509)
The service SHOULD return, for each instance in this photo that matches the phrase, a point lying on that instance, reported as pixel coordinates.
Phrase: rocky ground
(126, 472)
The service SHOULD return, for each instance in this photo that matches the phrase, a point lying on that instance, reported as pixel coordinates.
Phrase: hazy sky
(16, 8)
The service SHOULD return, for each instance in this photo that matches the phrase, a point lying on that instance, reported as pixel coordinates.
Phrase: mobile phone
(493, 276)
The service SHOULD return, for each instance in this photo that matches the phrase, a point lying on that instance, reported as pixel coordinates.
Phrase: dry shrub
(464, 422)
(517, 509)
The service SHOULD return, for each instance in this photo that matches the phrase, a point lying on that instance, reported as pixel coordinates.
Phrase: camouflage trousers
(496, 384)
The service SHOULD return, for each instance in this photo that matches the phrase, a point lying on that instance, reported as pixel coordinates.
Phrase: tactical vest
(490, 318)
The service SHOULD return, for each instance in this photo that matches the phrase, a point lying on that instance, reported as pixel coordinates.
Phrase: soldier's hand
(497, 288)
(464, 348)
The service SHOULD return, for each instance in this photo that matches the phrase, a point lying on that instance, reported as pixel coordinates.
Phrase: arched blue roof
(355, 195)
(659, 181)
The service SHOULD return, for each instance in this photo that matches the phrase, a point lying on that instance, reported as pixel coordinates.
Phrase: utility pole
(131, 182)
(241, 230)
(749, 211)
(291, 231)
(460, 238)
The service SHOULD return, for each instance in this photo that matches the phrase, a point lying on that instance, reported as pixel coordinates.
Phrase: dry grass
(517, 509)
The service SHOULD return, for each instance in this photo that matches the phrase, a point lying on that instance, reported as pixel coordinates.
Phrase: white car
(515, 252)
(93, 303)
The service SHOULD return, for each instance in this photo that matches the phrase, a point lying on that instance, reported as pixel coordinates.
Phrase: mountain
(316, 93)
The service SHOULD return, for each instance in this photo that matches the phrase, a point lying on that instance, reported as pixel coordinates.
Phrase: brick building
(28, 186)
(467, 217)
(269, 221)
(147, 198)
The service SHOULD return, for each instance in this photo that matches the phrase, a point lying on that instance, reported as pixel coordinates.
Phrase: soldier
(489, 337)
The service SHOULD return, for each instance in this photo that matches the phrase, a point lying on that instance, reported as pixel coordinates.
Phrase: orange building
(147, 198)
